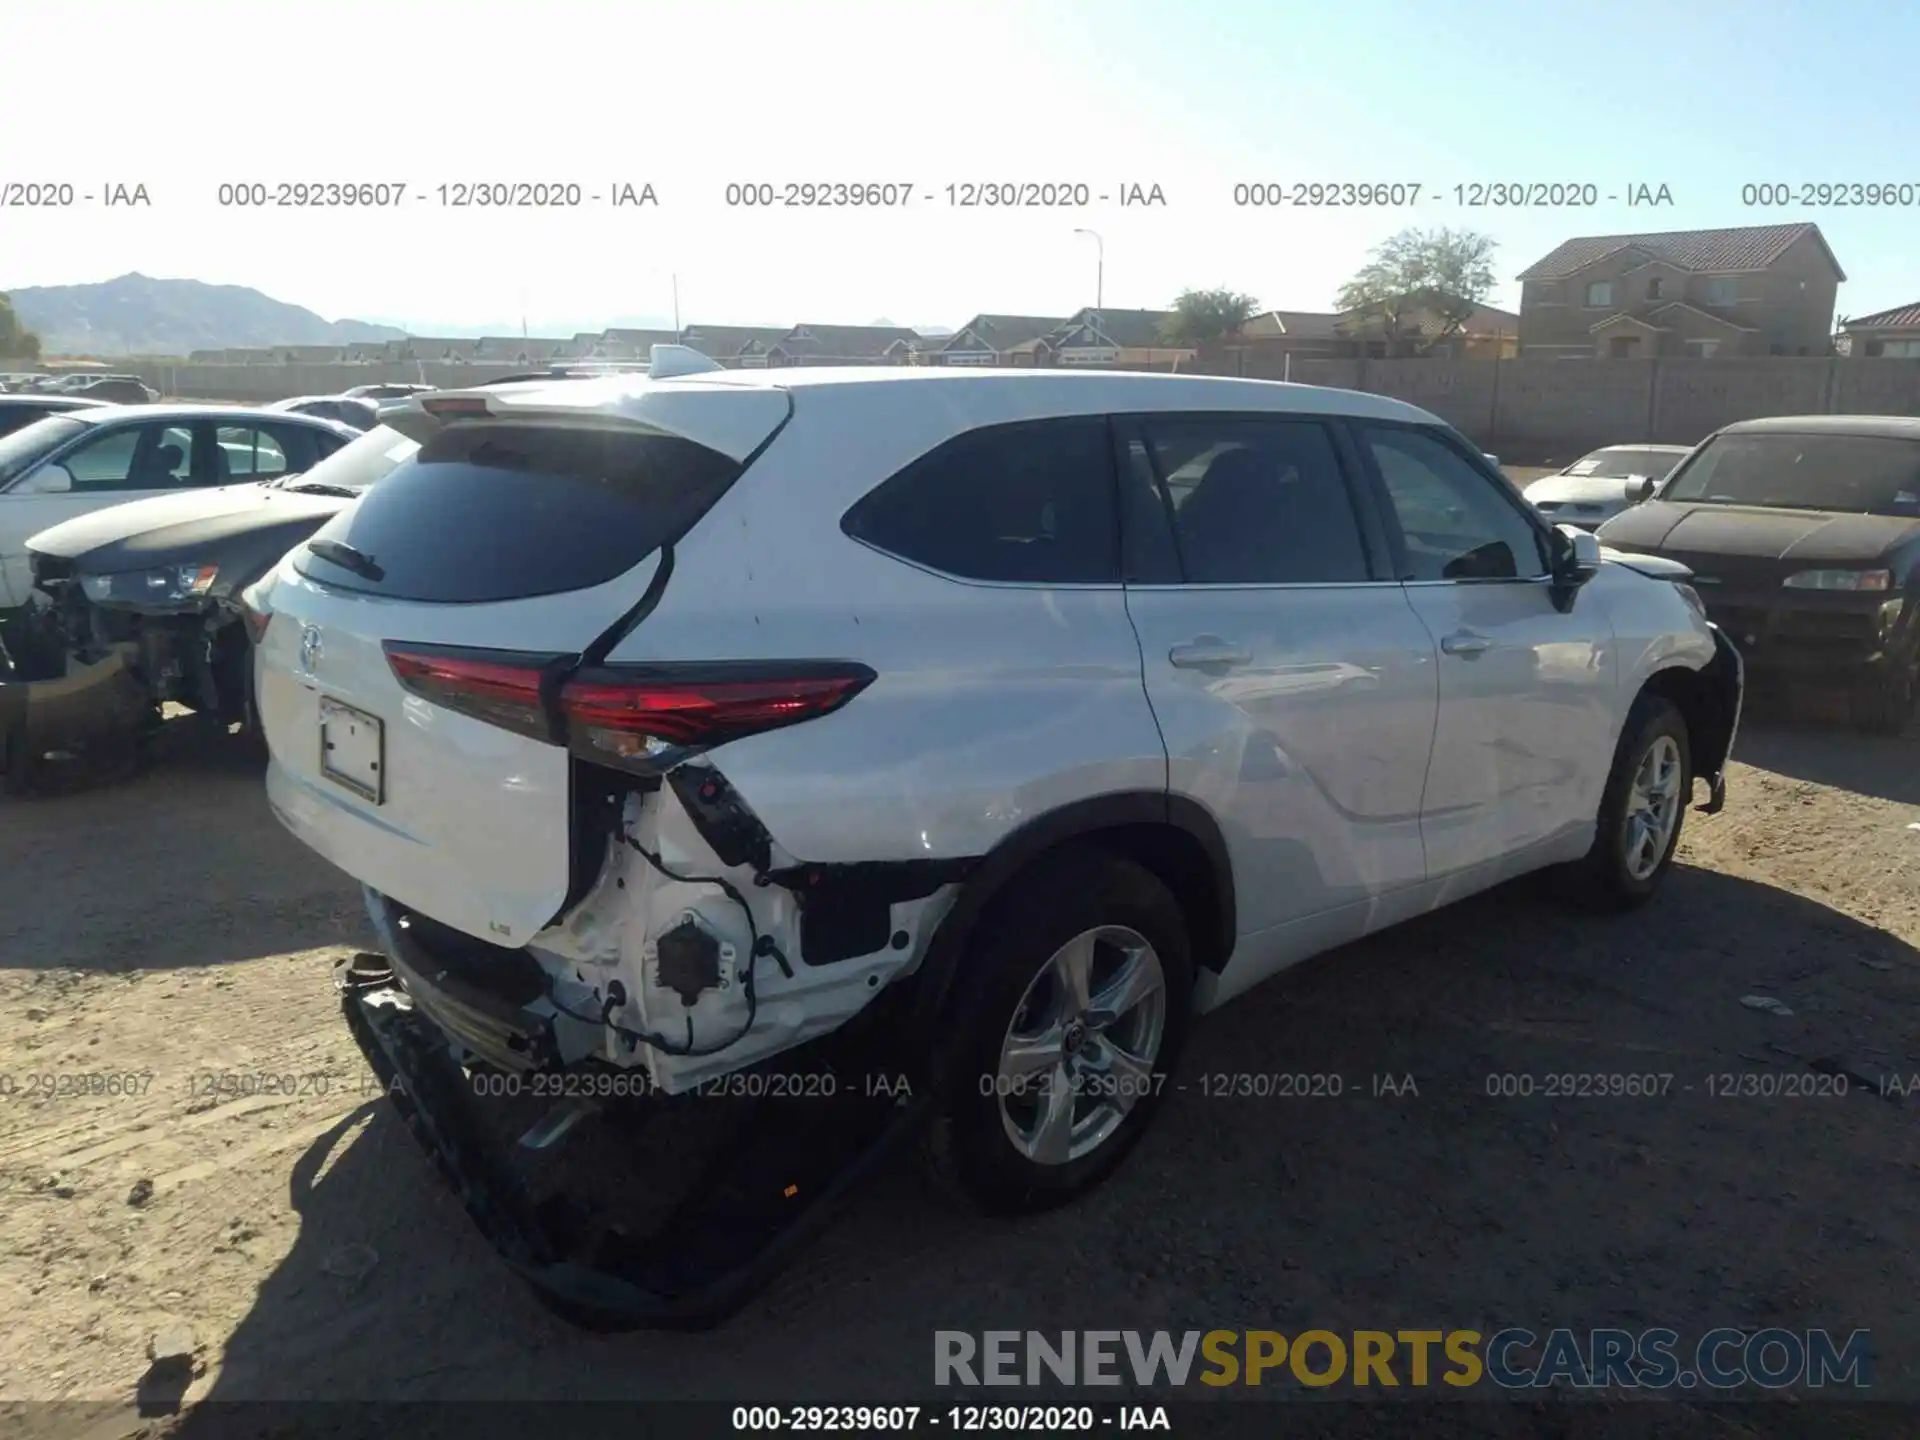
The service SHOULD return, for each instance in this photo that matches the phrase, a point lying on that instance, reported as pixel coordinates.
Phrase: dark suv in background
(1803, 532)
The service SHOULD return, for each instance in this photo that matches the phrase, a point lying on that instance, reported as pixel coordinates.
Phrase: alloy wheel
(1079, 1053)
(1653, 808)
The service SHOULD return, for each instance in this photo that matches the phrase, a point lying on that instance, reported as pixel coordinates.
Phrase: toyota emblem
(309, 646)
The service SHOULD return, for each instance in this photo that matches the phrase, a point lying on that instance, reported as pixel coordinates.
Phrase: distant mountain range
(136, 314)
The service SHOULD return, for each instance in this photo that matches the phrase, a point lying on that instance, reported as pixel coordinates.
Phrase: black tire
(17, 770)
(250, 738)
(1604, 880)
(1061, 897)
(1885, 704)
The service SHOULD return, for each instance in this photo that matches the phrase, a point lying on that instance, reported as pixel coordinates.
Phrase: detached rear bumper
(772, 1187)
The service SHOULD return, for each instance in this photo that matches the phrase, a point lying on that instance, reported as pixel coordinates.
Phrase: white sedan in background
(1598, 486)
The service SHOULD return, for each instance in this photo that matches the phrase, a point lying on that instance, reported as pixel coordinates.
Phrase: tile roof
(1127, 329)
(844, 342)
(1752, 247)
(1007, 332)
(641, 338)
(723, 342)
(1294, 324)
(1900, 317)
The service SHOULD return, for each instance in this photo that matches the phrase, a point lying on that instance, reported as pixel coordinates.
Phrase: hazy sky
(1190, 95)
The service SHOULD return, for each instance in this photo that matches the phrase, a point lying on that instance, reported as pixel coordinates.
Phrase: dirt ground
(167, 930)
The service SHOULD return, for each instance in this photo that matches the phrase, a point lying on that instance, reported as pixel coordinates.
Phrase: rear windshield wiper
(347, 558)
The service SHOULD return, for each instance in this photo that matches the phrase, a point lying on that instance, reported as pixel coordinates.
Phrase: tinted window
(1146, 521)
(1257, 502)
(1457, 522)
(18, 417)
(501, 511)
(1028, 503)
(1860, 474)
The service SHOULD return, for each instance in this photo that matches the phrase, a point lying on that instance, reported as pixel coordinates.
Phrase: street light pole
(1099, 270)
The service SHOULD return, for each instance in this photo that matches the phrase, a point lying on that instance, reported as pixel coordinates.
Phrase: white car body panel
(1359, 773)
(1527, 724)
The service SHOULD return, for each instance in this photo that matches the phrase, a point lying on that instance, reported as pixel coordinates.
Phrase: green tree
(1442, 272)
(1201, 317)
(16, 340)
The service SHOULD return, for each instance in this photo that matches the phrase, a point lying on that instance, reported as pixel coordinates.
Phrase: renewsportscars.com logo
(1510, 1359)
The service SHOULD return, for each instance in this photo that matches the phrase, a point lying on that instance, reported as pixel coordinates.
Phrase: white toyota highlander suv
(673, 722)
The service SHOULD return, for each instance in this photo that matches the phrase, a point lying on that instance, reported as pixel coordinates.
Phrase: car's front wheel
(1641, 810)
(1078, 991)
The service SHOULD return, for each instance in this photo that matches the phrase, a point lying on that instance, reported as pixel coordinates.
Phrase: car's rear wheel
(1078, 987)
(1642, 809)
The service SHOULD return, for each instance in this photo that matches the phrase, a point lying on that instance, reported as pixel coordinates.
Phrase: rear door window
(1256, 501)
(498, 510)
(1026, 503)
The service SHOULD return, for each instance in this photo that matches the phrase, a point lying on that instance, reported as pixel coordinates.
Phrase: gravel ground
(168, 929)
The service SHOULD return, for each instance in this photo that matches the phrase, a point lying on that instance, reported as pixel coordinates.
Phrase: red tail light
(628, 714)
(634, 713)
(499, 687)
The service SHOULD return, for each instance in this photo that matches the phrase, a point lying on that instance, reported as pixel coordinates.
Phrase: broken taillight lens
(639, 712)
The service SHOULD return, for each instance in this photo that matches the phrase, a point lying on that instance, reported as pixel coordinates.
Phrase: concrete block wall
(1527, 411)
(1532, 411)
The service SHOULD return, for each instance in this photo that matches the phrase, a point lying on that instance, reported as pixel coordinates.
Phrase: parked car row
(1599, 485)
(127, 536)
(120, 531)
(110, 389)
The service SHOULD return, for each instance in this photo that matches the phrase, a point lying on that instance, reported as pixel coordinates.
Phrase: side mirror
(1493, 460)
(1640, 488)
(1579, 559)
(1576, 560)
(50, 479)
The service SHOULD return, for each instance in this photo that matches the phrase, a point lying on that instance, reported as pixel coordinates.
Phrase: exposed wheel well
(1702, 704)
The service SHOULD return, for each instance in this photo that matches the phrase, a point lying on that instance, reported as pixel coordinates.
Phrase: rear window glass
(1619, 464)
(503, 511)
(1028, 503)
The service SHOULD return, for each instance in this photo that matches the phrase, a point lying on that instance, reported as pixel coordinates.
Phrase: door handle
(1465, 644)
(1205, 652)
